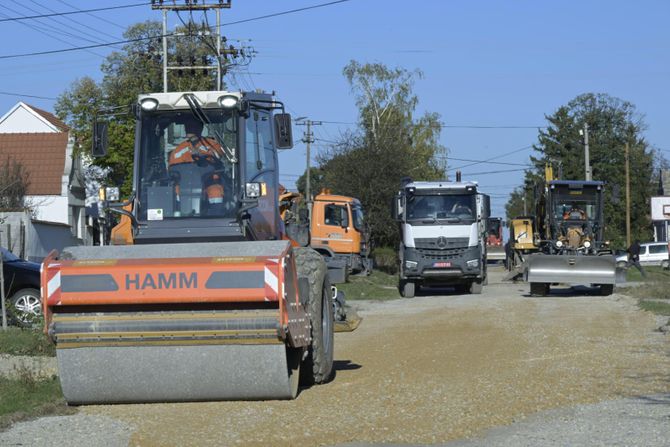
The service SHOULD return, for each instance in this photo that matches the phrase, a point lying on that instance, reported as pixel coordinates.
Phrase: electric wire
(28, 96)
(101, 19)
(50, 34)
(81, 11)
(97, 31)
(140, 39)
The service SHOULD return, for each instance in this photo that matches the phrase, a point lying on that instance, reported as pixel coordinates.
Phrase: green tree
(389, 143)
(613, 123)
(134, 69)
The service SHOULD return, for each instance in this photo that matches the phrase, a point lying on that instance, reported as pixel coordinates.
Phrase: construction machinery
(520, 245)
(443, 235)
(335, 228)
(202, 296)
(569, 236)
(495, 250)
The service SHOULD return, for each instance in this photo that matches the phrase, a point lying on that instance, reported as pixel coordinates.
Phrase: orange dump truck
(337, 230)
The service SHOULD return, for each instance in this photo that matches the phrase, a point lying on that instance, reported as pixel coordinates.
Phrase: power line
(81, 11)
(92, 15)
(493, 172)
(493, 158)
(486, 161)
(28, 96)
(77, 22)
(474, 126)
(290, 11)
(140, 39)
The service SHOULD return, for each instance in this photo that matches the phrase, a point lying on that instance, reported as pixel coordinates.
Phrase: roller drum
(131, 374)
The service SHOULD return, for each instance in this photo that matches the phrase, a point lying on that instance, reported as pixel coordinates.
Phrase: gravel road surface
(427, 370)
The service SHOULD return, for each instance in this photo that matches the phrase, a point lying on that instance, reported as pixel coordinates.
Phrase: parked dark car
(22, 288)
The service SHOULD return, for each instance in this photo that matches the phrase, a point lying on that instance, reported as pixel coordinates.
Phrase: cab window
(336, 215)
(260, 153)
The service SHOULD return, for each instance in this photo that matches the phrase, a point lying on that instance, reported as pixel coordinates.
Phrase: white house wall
(50, 208)
(22, 120)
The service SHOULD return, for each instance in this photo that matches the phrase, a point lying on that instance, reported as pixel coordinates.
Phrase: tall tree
(613, 123)
(135, 69)
(389, 143)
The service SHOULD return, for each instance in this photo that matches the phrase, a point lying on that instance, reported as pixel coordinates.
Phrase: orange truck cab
(339, 233)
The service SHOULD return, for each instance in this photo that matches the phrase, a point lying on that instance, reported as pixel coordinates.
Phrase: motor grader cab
(201, 296)
(570, 233)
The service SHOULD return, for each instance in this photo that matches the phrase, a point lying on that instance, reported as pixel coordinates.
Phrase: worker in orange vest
(206, 153)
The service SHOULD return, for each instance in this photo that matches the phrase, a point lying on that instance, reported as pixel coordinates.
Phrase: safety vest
(192, 149)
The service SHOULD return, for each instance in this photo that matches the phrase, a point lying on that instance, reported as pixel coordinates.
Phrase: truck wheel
(407, 288)
(476, 288)
(606, 289)
(318, 365)
(539, 289)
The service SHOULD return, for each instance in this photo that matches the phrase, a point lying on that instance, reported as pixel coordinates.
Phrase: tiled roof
(41, 154)
(53, 119)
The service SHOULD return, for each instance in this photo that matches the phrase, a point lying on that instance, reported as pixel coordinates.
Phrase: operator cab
(205, 166)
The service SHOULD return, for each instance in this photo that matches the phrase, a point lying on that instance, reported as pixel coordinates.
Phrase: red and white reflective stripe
(271, 280)
(53, 284)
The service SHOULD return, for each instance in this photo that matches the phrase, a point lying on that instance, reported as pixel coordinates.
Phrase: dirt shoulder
(434, 369)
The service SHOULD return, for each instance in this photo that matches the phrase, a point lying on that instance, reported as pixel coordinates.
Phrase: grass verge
(33, 342)
(654, 273)
(657, 307)
(27, 397)
(377, 286)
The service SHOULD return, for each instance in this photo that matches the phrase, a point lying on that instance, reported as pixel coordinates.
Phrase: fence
(31, 239)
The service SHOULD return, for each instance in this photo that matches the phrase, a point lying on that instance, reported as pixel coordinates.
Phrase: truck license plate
(441, 264)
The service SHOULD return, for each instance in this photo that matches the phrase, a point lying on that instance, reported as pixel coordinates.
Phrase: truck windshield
(183, 171)
(357, 213)
(451, 208)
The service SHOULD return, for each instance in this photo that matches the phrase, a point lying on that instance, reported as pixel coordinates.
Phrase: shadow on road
(567, 292)
(345, 365)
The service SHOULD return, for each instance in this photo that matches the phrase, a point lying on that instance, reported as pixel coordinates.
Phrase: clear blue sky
(484, 62)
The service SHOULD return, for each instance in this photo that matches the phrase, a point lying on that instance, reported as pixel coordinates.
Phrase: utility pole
(587, 157)
(191, 5)
(308, 139)
(627, 158)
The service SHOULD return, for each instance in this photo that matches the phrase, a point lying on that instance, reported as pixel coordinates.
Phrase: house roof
(53, 119)
(26, 118)
(41, 154)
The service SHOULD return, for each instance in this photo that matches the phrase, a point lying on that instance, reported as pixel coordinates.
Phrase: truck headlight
(559, 244)
(473, 263)
(411, 264)
(587, 244)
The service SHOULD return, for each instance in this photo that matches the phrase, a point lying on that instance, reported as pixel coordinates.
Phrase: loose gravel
(431, 370)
